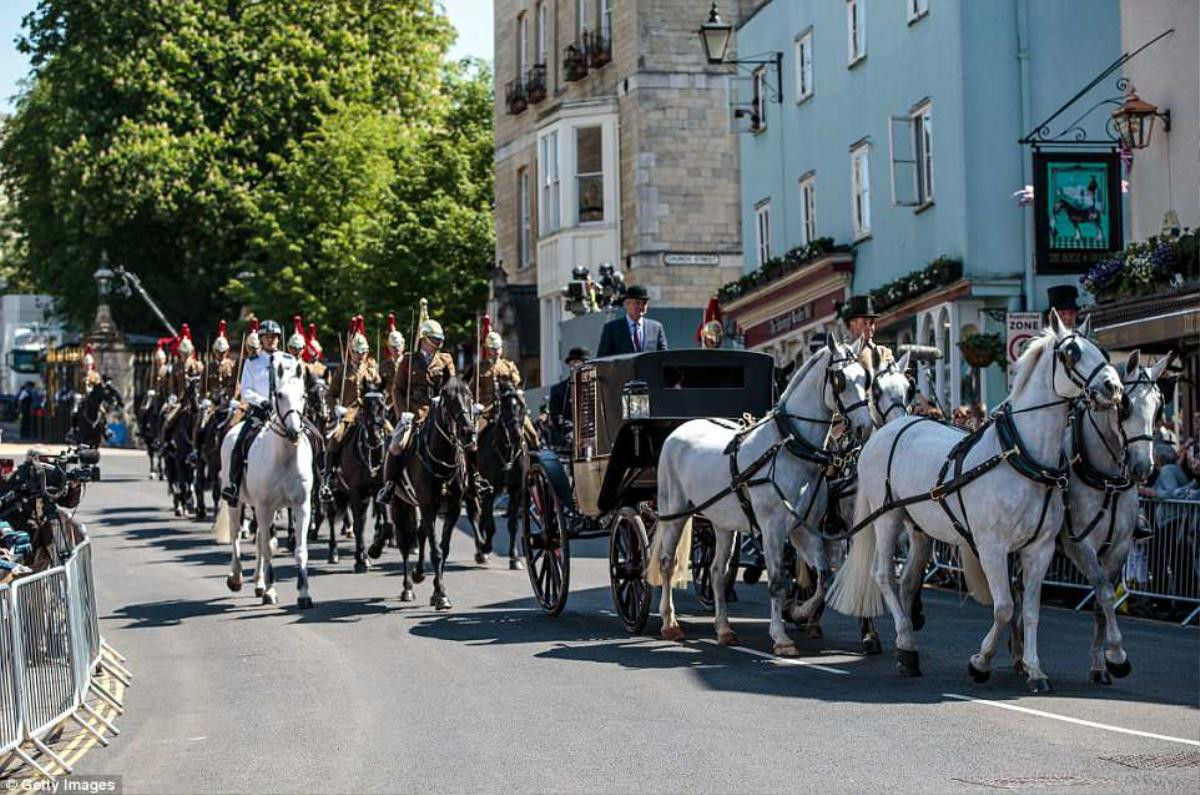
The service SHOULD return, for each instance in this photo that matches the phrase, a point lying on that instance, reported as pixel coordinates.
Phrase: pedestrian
(25, 398)
(634, 332)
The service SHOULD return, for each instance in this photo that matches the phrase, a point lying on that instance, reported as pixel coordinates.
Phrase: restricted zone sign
(1022, 327)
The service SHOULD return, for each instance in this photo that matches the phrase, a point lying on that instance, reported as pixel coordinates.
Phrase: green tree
(320, 145)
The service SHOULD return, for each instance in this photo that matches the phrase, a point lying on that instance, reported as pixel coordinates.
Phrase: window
(589, 174)
(808, 209)
(804, 66)
(543, 23)
(762, 231)
(522, 45)
(856, 30)
(548, 163)
(606, 19)
(917, 9)
(910, 138)
(582, 21)
(524, 222)
(758, 102)
(860, 189)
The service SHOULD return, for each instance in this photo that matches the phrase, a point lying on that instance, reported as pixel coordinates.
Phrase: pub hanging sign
(1077, 209)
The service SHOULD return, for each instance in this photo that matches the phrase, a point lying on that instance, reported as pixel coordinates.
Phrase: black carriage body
(614, 458)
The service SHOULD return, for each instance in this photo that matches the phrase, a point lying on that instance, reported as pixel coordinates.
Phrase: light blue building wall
(965, 58)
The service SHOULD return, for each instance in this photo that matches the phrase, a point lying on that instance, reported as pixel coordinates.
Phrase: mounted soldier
(493, 371)
(711, 333)
(222, 367)
(255, 393)
(313, 352)
(393, 354)
(300, 345)
(421, 375)
(359, 375)
(186, 366)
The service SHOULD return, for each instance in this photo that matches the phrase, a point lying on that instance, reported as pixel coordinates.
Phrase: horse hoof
(977, 675)
(418, 576)
(673, 633)
(481, 558)
(1118, 670)
(1039, 686)
(233, 583)
(360, 567)
(727, 638)
(178, 511)
(515, 564)
(407, 595)
(1100, 678)
(872, 646)
(259, 590)
(270, 599)
(304, 603)
(786, 650)
(908, 663)
(439, 601)
(374, 551)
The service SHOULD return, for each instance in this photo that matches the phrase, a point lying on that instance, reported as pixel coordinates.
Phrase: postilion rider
(349, 384)
(255, 389)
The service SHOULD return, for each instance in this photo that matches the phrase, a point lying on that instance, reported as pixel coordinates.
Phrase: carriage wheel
(547, 548)
(704, 548)
(628, 553)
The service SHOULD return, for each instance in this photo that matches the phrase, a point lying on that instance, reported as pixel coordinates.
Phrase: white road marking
(1078, 721)
(785, 660)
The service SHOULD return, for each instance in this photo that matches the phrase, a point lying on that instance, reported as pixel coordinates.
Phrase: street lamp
(103, 276)
(1134, 120)
(715, 35)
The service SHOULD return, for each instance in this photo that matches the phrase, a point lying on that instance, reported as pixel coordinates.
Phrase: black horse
(431, 474)
(149, 430)
(361, 459)
(89, 427)
(503, 462)
(177, 447)
(206, 450)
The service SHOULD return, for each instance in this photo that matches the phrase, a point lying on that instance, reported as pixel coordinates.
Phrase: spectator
(1166, 442)
(924, 407)
(962, 417)
(25, 399)
(1179, 481)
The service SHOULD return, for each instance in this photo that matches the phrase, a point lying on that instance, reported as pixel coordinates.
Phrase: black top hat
(576, 354)
(1064, 296)
(860, 306)
(636, 291)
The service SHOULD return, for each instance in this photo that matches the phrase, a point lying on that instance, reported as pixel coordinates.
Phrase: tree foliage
(312, 156)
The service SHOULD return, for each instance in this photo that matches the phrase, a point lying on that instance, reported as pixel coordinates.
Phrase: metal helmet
(296, 342)
(712, 334)
(358, 337)
(433, 330)
(493, 342)
(270, 327)
(395, 340)
(221, 343)
(159, 354)
(185, 347)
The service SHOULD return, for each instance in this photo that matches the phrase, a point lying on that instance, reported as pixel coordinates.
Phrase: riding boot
(237, 465)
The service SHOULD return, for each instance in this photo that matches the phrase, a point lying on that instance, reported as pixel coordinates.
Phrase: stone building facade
(613, 144)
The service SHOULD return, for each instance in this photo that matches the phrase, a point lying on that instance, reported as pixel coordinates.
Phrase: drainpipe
(1026, 176)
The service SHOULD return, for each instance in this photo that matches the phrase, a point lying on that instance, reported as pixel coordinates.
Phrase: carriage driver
(255, 388)
(186, 366)
(860, 319)
(347, 389)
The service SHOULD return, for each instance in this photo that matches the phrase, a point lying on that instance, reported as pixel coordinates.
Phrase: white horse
(1008, 474)
(780, 462)
(279, 475)
(1111, 452)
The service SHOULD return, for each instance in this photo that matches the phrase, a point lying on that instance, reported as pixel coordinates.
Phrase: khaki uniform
(180, 373)
(348, 387)
(91, 379)
(387, 375)
(162, 381)
(225, 372)
(427, 382)
(493, 372)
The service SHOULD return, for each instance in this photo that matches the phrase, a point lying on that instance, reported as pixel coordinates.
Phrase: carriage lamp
(635, 400)
(1134, 120)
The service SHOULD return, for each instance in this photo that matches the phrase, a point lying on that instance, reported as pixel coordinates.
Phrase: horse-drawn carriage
(605, 484)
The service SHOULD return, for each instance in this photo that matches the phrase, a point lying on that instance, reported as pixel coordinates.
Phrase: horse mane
(800, 374)
(1028, 361)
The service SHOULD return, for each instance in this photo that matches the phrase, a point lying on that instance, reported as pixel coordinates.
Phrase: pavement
(367, 694)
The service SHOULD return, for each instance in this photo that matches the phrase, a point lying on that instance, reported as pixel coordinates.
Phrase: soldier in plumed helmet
(494, 370)
(359, 375)
(186, 366)
(223, 368)
(711, 333)
(393, 353)
(421, 375)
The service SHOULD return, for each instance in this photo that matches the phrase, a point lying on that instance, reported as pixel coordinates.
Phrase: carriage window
(703, 377)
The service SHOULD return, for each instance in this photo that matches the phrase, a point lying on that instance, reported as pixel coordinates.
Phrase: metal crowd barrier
(1165, 566)
(50, 653)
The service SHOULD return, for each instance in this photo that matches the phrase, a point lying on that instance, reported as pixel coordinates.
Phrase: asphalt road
(368, 694)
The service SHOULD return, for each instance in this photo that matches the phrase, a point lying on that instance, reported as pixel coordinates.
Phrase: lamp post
(715, 35)
(103, 326)
(1134, 120)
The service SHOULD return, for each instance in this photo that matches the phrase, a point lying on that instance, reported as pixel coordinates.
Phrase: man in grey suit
(633, 332)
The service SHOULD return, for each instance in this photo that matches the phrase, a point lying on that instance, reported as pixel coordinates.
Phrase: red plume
(253, 325)
(312, 350)
(221, 327)
(711, 312)
(391, 322)
(298, 325)
(362, 325)
(185, 332)
(485, 328)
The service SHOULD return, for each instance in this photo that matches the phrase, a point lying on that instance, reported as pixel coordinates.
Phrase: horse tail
(976, 580)
(681, 573)
(854, 591)
(222, 525)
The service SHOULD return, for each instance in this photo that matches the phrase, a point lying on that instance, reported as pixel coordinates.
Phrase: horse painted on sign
(778, 486)
(503, 460)
(279, 476)
(990, 492)
(1077, 216)
(90, 420)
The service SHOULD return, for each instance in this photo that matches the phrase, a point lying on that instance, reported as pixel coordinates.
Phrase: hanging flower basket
(982, 350)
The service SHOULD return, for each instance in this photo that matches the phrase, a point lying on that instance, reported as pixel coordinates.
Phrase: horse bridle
(512, 439)
(876, 392)
(365, 449)
(451, 438)
(1075, 353)
(278, 419)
